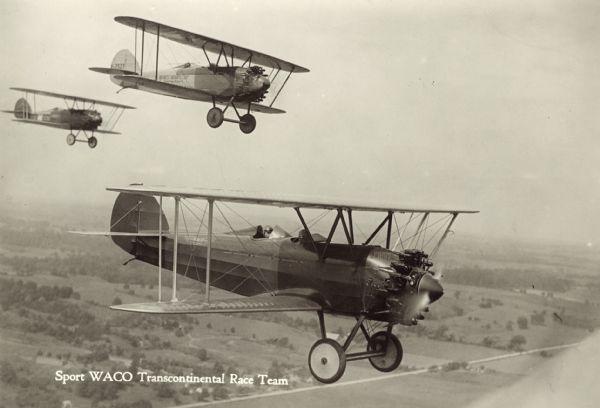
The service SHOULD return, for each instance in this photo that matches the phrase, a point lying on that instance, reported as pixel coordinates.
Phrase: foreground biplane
(79, 116)
(241, 87)
(378, 286)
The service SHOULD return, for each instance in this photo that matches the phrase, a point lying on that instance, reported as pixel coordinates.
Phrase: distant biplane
(241, 87)
(278, 272)
(77, 116)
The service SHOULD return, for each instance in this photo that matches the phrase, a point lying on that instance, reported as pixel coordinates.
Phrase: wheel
(215, 117)
(92, 142)
(247, 123)
(393, 351)
(70, 139)
(327, 361)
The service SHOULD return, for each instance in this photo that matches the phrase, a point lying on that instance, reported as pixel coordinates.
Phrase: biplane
(79, 116)
(240, 85)
(379, 286)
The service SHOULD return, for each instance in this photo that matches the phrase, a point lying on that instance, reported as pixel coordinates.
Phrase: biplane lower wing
(62, 125)
(43, 123)
(163, 88)
(146, 234)
(261, 303)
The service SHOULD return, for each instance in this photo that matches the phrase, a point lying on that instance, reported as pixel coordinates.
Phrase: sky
(491, 106)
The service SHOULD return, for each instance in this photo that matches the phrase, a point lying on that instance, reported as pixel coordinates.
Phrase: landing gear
(327, 358)
(215, 117)
(388, 344)
(71, 139)
(92, 142)
(327, 361)
(247, 123)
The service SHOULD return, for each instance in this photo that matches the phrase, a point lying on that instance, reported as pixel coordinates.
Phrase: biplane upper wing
(209, 44)
(276, 201)
(260, 303)
(72, 97)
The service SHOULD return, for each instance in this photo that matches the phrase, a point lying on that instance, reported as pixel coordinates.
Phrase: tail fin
(22, 109)
(136, 214)
(124, 60)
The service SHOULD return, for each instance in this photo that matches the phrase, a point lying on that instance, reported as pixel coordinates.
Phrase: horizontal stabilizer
(112, 71)
(262, 303)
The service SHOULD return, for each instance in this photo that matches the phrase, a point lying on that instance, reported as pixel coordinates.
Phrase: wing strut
(208, 248)
(417, 235)
(142, 64)
(441, 241)
(157, 41)
(175, 243)
(387, 219)
(160, 212)
(281, 88)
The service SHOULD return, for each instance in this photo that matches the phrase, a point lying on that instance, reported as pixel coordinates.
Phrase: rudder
(125, 60)
(22, 109)
(135, 213)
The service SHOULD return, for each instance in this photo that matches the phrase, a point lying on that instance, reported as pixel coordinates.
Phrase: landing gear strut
(327, 358)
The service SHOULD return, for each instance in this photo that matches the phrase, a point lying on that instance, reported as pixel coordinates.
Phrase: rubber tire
(92, 142)
(318, 362)
(215, 117)
(247, 123)
(394, 351)
(71, 139)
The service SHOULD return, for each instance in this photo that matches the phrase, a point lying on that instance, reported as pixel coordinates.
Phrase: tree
(517, 342)
(202, 354)
(220, 392)
(7, 372)
(164, 390)
(522, 323)
(203, 396)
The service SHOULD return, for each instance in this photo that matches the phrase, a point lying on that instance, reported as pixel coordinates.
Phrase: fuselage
(75, 119)
(351, 279)
(223, 83)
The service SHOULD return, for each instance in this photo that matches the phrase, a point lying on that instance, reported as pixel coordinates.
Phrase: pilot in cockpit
(263, 232)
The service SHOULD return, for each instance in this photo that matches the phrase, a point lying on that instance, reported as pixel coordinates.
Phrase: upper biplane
(80, 115)
(240, 85)
(379, 286)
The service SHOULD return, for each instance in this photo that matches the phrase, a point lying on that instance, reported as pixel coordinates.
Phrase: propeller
(409, 304)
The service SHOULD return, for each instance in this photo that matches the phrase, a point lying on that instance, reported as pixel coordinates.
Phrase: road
(320, 389)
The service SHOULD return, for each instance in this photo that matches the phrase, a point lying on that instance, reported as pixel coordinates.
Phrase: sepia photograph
(299, 203)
